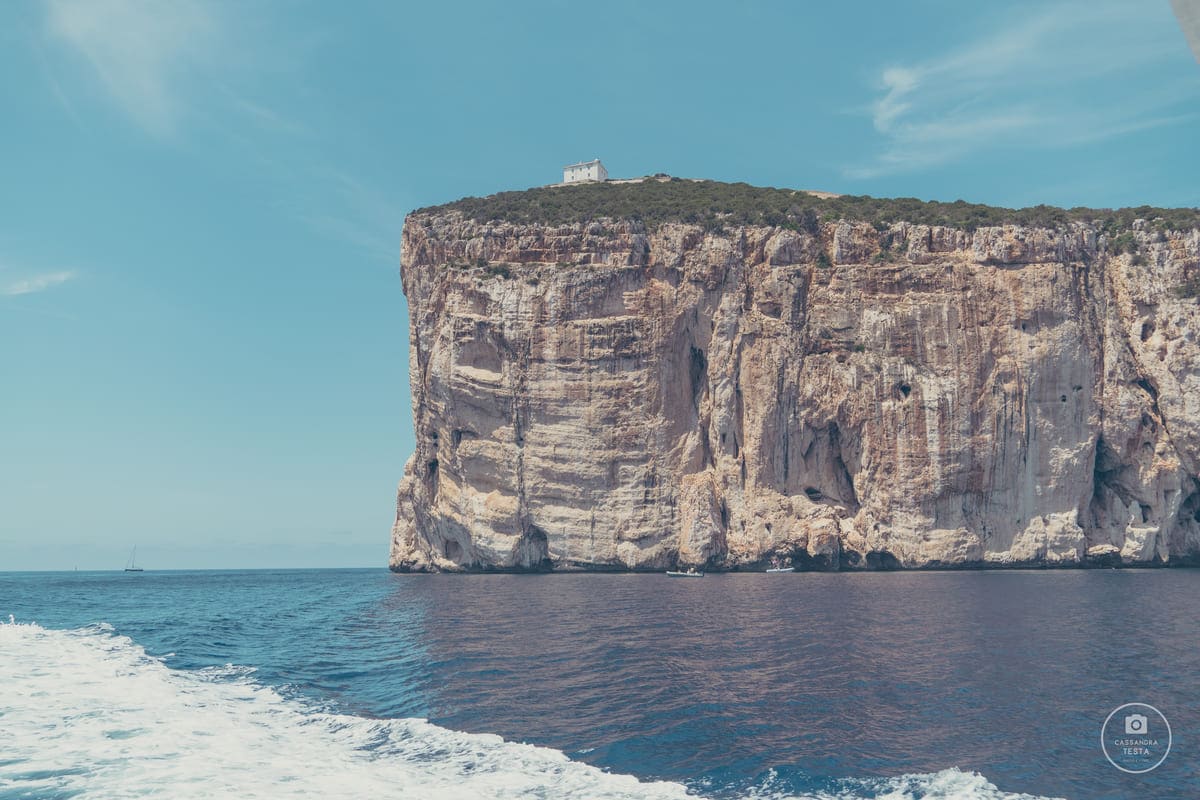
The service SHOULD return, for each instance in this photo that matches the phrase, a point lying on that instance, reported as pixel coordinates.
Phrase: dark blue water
(734, 684)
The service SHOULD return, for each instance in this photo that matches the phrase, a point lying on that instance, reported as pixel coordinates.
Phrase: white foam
(948, 784)
(88, 713)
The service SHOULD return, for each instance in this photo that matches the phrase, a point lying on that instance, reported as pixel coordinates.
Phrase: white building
(585, 171)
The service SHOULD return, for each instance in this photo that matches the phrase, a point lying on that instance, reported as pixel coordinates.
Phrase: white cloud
(899, 82)
(168, 62)
(140, 50)
(35, 283)
(1062, 74)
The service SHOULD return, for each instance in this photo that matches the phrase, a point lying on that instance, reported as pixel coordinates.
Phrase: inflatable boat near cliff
(691, 573)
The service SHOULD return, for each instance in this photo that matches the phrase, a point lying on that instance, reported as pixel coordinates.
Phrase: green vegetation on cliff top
(715, 205)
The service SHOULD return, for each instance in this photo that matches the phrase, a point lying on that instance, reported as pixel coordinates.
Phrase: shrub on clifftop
(713, 205)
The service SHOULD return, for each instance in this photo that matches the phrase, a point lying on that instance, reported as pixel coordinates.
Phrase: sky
(203, 337)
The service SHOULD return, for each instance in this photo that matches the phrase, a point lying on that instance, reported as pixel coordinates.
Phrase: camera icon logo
(1128, 742)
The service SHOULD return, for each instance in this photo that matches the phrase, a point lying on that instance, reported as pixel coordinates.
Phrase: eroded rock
(600, 395)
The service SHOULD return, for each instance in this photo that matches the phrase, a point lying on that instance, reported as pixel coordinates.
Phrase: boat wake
(87, 713)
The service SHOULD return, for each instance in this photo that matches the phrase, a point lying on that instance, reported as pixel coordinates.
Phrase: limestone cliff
(624, 394)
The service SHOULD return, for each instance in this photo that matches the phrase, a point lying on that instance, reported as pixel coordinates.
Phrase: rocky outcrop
(607, 396)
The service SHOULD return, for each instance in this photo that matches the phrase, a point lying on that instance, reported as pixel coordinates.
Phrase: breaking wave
(86, 713)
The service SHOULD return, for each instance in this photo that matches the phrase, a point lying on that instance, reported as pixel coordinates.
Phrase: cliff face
(602, 395)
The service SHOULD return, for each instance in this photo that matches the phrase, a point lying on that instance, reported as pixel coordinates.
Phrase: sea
(365, 684)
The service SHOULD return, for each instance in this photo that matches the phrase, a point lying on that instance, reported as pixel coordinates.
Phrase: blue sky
(203, 340)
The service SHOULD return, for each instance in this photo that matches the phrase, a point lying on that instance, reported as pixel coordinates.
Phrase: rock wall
(603, 396)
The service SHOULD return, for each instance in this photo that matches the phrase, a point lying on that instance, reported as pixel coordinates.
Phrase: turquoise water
(351, 683)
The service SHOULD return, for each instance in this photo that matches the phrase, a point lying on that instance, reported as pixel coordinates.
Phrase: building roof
(583, 163)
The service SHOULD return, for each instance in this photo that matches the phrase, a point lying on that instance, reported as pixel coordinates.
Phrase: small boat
(782, 569)
(691, 573)
(131, 564)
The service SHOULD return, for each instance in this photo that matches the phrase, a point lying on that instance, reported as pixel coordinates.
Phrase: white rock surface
(600, 396)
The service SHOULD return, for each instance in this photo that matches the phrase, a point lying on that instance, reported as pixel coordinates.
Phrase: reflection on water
(1007, 673)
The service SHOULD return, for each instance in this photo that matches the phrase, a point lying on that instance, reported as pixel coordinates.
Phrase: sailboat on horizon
(131, 564)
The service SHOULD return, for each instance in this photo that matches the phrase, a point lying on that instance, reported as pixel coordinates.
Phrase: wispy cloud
(268, 117)
(56, 87)
(140, 50)
(371, 222)
(334, 203)
(175, 65)
(35, 283)
(1059, 75)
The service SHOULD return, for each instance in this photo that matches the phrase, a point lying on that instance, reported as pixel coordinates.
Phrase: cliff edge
(679, 373)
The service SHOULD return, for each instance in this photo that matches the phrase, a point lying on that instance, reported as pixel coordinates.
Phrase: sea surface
(360, 683)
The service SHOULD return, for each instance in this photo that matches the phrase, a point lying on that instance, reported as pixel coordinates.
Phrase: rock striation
(612, 394)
